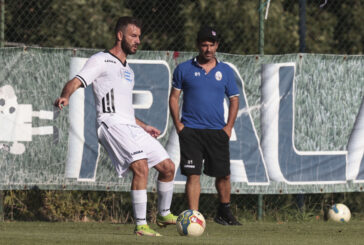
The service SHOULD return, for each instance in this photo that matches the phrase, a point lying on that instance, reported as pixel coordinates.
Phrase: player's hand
(227, 130)
(61, 102)
(152, 131)
(180, 127)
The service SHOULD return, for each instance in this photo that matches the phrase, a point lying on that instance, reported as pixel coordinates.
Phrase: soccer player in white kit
(130, 143)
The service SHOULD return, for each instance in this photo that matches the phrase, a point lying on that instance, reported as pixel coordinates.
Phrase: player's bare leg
(224, 215)
(140, 174)
(223, 188)
(139, 197)
(165, 192)
(193, 189)
(165, 170)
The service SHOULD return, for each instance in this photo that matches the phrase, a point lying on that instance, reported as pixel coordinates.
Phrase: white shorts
(126, 144)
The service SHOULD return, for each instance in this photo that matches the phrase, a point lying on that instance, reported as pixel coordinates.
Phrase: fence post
(261, 52)
(300, 198)
(261, 27)
(2, 23)
(1, 206)
(302, 25)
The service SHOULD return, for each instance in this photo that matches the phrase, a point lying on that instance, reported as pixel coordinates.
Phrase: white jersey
(113, 84)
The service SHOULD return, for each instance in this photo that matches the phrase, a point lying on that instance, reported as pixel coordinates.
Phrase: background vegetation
(115, 207)
(172, 25)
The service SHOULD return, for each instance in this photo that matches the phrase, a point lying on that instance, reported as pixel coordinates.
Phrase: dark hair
(124, 21)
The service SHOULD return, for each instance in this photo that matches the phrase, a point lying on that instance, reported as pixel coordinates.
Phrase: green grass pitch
(317, 232)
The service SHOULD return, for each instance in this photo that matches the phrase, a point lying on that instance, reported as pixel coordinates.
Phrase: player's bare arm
(174, 108)
(67, 91)
(233, 111)
(149, 129)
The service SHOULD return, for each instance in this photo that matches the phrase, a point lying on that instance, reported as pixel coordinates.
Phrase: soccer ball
(190, 223)
(339, 213)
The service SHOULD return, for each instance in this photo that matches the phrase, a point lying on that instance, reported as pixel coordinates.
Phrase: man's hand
(68, 89)
(233, 111)
(179, 127)
(61, 102)
(152, 131)
(149, 129)
(227, 130)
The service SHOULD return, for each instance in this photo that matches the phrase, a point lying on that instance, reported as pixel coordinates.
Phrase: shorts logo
(218, 76)
(189, 164)
(136, 152)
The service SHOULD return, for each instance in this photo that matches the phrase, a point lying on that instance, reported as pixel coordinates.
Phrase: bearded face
(130, 41)
(127, 47)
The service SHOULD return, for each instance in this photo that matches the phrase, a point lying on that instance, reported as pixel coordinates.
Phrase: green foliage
(69, 23)
(162, 23)
(84, 23)
(67, 206)
(237, 22)
(172, 25)
(116, 207)
(281, 29)
(351, 17)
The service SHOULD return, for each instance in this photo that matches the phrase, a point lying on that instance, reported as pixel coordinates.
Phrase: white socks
(165, 193)
(139, 201)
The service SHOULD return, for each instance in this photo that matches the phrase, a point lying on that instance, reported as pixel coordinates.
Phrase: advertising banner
(299, 129)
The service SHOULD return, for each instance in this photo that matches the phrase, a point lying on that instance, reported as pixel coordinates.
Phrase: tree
(68, 23)
(172, 25)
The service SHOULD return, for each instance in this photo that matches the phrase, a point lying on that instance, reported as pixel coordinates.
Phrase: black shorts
(204, 146)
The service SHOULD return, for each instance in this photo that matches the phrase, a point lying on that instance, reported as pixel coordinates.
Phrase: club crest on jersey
(218, 76)
(128, 76)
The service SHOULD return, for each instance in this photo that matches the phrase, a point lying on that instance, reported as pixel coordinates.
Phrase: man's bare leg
(166, 170)
(223, 188)
(139, 197)
(140, 174)
(139, 190)
(193, 189)
(224, 215)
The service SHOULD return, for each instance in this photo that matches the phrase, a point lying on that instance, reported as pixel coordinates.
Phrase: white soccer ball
(190, 223)
(339, 213)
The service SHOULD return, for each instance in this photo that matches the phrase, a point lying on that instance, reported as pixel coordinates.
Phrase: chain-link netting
(326, 27)
(314, 26)
(116, 207)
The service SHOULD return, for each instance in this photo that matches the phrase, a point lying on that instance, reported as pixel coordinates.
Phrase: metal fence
(288, 26)
(116, 207)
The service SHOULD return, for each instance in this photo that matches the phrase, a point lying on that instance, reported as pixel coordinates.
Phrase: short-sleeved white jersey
(113, 84)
